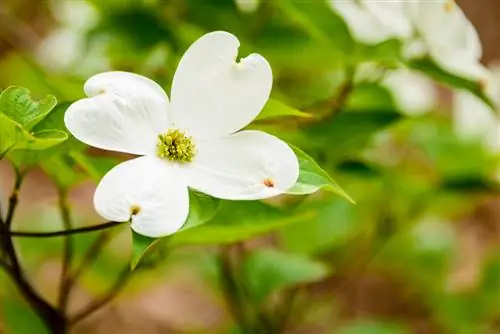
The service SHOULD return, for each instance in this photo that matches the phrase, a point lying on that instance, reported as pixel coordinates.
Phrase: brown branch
(50, 316)
(73, 231)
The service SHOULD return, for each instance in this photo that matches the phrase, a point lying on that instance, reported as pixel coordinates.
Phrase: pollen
(175, 145)
(134, 210)
(449, 6)
(268, 183)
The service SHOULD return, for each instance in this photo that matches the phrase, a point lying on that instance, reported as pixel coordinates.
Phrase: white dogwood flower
(373, 22)
(444, 32)
(474, 120)
(191, 141)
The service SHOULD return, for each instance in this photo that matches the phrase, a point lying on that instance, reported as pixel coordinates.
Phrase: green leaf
(16, 103)
(274, 108)
(14, 137)
(236, 221)
(269, 270)
(141, 245)
(54, 121)
(430, 68)
(313, 178)
(202, 208)
(10, 134)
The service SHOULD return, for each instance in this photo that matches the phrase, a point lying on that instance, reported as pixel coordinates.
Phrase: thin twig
(117, 287)
(67, 254)
(63, 233)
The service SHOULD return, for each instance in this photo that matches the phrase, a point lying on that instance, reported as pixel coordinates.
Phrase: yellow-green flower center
(174, 145)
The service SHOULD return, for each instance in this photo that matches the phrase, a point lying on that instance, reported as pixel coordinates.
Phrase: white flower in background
(413, 93)
(372, 21)
(247, 6)
(445, 33)
(191, 141)
(474, 120)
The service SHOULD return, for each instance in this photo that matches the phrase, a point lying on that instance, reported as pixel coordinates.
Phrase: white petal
(373, 22)
(444, 27)
(245, 166)
(460, 63)
(212, 94)
(414, 93)
(125, 112)
(474, 120)
(391, 15)
(152, 187)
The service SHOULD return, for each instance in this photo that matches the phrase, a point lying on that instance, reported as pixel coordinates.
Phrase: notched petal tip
(254, 61)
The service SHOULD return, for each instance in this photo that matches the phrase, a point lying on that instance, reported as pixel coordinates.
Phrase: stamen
(174, 145)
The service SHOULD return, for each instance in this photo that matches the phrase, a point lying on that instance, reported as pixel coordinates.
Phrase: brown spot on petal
(268, 183)
(134, 210)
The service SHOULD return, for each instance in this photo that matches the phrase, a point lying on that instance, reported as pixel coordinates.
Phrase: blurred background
(419, 252)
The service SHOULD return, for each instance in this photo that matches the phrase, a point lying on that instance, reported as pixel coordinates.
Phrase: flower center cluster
(174, 145)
